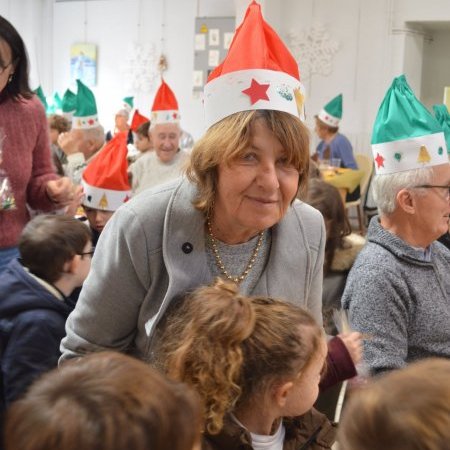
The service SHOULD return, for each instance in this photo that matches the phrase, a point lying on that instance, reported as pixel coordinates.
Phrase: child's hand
(353, 343)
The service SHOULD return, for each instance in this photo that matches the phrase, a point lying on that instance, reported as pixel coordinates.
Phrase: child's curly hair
(231, 348)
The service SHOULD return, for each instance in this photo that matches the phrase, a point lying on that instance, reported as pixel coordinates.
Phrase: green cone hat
(443, 117)
(68, 104)
(405, 135)
(331, 114)
(85, 115)
(40, 93)
(128, 103)
(57, 101)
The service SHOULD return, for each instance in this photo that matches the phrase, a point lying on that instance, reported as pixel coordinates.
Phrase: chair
(365, 164)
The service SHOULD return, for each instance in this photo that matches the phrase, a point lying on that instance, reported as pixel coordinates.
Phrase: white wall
(376, 42)
(436, 68)
(361, 67)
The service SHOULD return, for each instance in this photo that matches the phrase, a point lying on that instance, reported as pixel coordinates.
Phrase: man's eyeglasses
(89, 253)
(432, 186)
(3, 68)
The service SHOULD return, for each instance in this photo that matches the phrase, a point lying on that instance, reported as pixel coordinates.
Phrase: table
(345, 180)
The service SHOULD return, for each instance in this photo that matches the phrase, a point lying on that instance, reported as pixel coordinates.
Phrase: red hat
(105, 179)
(137, 120)
(259, 72)
(165, 106)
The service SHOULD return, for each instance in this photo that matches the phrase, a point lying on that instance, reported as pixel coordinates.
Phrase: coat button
(187, 247)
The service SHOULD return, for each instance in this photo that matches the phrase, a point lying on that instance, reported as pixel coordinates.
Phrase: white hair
(386, 187)
(123, 112)
(96, 134)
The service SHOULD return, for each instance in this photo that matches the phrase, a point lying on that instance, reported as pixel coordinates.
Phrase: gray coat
(400, 299)
(153, 249)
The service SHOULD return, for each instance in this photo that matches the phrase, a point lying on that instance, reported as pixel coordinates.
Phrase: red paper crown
(165, 106)
(105, 179)
(259, 72)
(137, 120)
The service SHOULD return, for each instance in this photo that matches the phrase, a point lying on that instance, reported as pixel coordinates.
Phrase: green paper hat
(443, 117)
(128, 103)
(40, 93)
(57, 101)
(331, 114)
(85, 116)
(405, 135)
(68, 104)
(55, 106)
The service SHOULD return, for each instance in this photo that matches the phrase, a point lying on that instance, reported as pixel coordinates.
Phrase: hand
(68, 143)
(353, 342)
(72, 209)
(62, 191)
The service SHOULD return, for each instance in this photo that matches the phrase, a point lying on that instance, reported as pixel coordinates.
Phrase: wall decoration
(140, 69)
(213, 58)
(197, 78)
(200, 41)
(314, 50)
(227, 38)
(213, 36)
(83, 63)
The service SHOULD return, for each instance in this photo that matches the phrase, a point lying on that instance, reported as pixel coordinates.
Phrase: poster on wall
(83, 63)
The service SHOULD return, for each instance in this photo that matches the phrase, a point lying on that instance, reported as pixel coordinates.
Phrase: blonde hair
(232, 348)
(408, 409)
(229, 138)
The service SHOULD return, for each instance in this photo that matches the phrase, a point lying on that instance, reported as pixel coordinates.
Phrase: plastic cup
(335, 162)
(324, 164)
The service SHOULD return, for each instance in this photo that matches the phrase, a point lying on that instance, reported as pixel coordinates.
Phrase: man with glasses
(398, 290)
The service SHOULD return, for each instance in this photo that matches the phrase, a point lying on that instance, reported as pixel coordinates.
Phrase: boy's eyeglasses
(89, 253)
(432, 186)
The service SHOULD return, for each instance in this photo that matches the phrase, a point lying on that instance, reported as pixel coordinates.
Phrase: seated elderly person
(121, 119)
(85, 138)
(168, 160)
(398, 290)
(334, 146)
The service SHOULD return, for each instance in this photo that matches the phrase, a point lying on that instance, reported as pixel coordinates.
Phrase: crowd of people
(153, 296)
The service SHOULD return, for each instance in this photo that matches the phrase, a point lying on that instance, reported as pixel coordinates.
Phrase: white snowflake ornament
(140, 68)
(313, 50)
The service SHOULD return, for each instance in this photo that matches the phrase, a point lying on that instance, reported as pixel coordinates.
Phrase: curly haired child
(256, 363)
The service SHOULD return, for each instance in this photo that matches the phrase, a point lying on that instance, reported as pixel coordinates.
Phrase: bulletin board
(212, 39)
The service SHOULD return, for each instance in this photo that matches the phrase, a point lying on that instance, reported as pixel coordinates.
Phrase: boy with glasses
(55, 258)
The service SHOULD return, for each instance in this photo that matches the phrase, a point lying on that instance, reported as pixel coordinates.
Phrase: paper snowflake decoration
(140, 69)
(314, 50)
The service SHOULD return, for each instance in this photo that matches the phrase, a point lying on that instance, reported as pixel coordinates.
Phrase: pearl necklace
(218, 259)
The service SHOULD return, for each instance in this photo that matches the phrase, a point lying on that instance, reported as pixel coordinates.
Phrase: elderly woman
(235, 216)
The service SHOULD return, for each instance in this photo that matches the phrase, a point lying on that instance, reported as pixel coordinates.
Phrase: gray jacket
(400, 300)
(153, 250)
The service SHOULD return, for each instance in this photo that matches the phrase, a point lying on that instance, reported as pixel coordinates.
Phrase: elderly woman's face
(254, 191)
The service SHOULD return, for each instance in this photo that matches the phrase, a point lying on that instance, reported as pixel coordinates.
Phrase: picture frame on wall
(83, 63)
